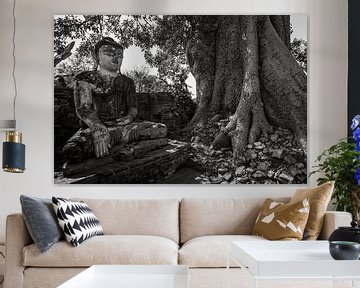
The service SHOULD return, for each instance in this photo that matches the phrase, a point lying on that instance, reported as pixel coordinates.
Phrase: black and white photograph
(180, 99)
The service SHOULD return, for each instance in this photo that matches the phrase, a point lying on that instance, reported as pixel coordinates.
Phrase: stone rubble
(276, 159)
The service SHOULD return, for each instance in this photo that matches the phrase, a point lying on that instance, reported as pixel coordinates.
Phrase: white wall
(327, 25)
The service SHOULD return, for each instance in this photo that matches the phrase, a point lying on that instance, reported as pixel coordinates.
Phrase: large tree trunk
(201, 58)
(243, 67)
(284, 83)
(282, 26)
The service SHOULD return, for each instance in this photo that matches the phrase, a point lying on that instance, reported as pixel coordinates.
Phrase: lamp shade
(13, 153)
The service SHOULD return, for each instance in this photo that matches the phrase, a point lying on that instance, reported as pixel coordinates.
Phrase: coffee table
(131, 276)
(293, 260)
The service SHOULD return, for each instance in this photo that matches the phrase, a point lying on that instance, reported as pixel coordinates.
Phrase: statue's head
(108, 54)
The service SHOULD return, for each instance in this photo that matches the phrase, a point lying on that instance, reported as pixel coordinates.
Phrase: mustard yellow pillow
(279, 221)
(319, 198)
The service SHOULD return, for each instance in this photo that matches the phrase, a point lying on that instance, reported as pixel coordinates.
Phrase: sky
(299, 23)
(134, 57)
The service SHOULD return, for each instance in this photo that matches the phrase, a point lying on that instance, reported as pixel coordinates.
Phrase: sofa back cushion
(158, 217)
(201, 217)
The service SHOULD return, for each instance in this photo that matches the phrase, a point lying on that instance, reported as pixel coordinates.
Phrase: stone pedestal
(142, 162)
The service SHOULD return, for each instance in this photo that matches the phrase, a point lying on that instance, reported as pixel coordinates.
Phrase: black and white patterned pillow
(77, 220)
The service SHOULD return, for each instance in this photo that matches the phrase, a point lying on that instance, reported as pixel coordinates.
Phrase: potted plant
(341, 163)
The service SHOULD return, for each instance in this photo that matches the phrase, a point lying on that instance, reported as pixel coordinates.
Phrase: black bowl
(344, 250)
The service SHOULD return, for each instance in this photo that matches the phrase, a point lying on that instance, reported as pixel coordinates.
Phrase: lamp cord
(2, 278)
(14, 60)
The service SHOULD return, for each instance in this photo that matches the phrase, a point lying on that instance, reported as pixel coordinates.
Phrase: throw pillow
(77, 220)
(319, 198)
(279, 221)
(41, 222)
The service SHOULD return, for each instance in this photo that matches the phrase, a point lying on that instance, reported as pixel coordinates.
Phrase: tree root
(249, 120)
(260, 125)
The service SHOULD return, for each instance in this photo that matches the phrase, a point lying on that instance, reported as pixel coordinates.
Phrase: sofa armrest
(17, 237)
(333, 220)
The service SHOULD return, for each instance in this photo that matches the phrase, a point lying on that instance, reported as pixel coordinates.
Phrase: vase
(346, 233)
(344, 250)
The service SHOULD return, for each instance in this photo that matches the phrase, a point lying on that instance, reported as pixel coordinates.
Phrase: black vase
(344, 250)
(351, 233)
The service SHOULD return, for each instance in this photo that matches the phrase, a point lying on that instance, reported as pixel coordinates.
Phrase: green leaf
(339, 163)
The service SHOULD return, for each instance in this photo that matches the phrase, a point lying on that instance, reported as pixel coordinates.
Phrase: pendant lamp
(13, 149)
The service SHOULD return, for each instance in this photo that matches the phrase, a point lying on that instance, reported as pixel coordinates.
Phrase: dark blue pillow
(41, 221)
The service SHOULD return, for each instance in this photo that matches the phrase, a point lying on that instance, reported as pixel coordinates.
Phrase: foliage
(298, 48)
(147, 83)
(341, 163)
(87, 28)
(163, 40)
(74, 65)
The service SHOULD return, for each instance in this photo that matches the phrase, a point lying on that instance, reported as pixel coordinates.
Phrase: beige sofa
(194, 232)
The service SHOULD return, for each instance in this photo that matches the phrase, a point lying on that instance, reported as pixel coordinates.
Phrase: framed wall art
(180, 99)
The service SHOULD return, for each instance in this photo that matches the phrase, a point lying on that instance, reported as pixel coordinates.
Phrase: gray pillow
(41, 221)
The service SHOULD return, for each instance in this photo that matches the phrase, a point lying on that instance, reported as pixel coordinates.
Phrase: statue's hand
(124, 120)
(102, 144)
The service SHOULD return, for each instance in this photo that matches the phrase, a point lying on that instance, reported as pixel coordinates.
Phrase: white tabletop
(291, 259)
(131, 276)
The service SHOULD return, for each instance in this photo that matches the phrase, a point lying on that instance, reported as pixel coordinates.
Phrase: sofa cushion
(158, 217)
(35, 277)
(107, 249)
(279, 221)
(319, 198)
(201, 217)
(211, 251)
(77, 220)
(41, 221)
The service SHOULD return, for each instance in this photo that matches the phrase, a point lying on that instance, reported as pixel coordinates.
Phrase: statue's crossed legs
(80, 146)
